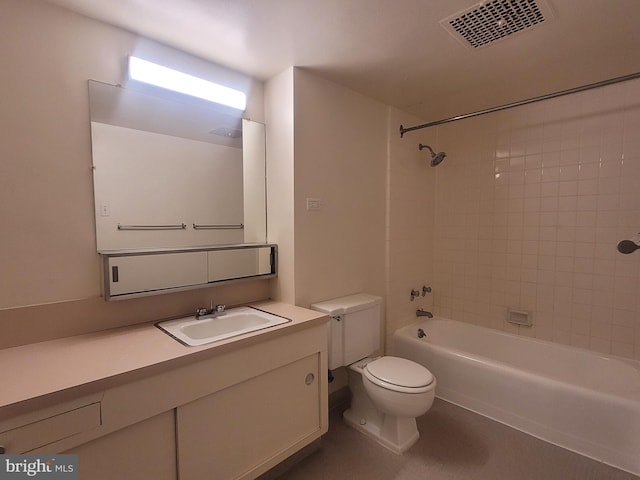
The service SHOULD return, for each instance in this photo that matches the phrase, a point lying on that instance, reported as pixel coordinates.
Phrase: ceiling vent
(488, 22)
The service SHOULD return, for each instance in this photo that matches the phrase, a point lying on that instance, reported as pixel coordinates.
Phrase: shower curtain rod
(522, 102)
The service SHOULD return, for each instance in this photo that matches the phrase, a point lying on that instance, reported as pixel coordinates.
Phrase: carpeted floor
(454, 444)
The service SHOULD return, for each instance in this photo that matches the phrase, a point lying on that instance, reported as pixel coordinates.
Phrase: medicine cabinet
(137, 273)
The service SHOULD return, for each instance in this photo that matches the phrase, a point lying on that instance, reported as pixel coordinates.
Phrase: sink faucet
(210, 312)
(423, 313)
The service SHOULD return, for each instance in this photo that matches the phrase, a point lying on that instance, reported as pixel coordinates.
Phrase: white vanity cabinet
(243, 430)
(144, 450)
(231, 411)
(38, 431)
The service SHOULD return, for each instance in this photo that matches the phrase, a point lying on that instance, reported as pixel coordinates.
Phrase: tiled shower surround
(526, 213)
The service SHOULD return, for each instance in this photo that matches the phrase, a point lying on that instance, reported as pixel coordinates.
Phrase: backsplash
(529, 205)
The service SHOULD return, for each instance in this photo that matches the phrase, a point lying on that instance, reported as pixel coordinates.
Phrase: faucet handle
(220, 308)
(414, 294)
(425, 290)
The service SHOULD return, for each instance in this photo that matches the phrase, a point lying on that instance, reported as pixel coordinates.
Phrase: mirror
(173, 172)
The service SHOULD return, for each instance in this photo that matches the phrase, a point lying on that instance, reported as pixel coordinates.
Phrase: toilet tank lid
(348, 304)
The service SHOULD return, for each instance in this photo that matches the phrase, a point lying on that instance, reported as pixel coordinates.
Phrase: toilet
(388, 393)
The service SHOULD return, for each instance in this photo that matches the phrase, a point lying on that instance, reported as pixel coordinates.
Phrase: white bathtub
(583, 401)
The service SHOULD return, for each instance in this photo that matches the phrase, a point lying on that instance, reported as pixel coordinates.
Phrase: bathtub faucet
(423, 313)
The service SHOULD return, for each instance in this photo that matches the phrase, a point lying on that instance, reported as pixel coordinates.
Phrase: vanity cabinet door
(245, 429)
(144, 451)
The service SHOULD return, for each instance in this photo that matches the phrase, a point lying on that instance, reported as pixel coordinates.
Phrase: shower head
(436, 158)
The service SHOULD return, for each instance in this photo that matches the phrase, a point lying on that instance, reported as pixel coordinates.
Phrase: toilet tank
(354, 330)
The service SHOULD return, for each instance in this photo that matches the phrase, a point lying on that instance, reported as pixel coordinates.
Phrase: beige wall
(280, 174)
(340, 151)
(48, 253)
(340, 159)
(325, 142)
(411, 216)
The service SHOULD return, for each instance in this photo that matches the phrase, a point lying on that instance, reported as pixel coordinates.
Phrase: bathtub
(580, 400)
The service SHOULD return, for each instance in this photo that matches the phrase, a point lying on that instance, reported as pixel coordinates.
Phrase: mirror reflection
(173, 172)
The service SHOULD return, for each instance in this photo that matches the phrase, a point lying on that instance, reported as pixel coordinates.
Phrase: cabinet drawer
(43, 432)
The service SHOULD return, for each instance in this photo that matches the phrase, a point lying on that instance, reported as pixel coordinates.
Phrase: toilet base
(397, 434)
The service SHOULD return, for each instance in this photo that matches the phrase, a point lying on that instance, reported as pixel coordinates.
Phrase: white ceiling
(393, 50)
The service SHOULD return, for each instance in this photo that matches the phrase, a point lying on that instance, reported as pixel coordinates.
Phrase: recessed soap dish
(520, 317)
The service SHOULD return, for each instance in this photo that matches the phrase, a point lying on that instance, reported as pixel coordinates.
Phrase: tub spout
(423, 313)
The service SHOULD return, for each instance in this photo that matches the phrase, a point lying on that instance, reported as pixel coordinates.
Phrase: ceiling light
(164, 77)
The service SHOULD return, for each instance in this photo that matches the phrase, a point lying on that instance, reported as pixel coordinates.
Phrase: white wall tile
(560, 195)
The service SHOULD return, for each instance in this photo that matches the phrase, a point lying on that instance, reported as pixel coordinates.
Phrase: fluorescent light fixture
(154, 74)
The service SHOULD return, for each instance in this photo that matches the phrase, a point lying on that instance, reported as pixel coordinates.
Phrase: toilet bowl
(388, 394)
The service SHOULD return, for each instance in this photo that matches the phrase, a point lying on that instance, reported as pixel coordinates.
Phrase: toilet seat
(399, 375)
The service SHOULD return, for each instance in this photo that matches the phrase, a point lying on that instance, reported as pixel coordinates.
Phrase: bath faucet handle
(425, 290)
(414, 294)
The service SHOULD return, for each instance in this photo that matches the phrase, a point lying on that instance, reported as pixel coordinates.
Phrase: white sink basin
(232, 322)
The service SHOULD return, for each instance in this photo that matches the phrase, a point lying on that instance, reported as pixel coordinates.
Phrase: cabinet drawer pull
(309, 378)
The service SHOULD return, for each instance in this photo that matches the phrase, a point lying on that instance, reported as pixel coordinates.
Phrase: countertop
(36, 370)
